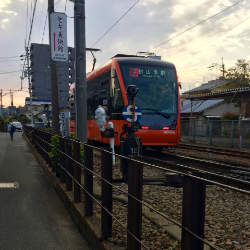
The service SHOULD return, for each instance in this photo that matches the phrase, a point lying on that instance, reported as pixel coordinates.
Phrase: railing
(231, 133)
(80, 176)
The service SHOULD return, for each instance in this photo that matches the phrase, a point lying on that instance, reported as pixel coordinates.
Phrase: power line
(115, 23)
(197, 24)
(7, 57)
(9, 72)
(32, 21)
(65, 7)
(44, 27)
(27, 18)
(226, 31)
(6, 61)
(31, 27)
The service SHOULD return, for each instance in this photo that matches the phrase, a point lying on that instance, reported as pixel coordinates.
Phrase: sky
(166, 27)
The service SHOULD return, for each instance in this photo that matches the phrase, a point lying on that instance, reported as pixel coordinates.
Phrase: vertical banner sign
(64, 123)
(59, 47)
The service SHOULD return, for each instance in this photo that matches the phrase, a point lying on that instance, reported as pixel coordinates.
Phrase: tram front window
(157, 86)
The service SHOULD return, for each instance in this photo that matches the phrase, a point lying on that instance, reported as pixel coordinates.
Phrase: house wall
(221, 109)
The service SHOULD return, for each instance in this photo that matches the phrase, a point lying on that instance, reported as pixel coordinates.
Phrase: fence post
(194, 131)
(135, 181)
(106, 194)
(88, 180)
(76, 171)
(68, 150)
(48, 148)
(240, 131)
(58, 167)
(193, 213)
(232, 134)
(210, 132)
(62, 159)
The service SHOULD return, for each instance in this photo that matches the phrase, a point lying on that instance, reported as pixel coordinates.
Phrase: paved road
(31, 217)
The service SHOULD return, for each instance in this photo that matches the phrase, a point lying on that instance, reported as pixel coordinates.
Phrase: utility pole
(223, 68)
(54, 87)
(1, 101)
(30, 85)
(11, 98)
(80, 67)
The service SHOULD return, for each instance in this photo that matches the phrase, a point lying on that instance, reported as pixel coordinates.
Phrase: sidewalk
(31, 214)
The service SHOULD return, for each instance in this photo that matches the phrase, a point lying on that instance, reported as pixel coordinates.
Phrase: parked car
(18, 126)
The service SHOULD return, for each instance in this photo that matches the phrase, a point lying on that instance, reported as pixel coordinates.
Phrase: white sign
(64, 123)
(58, 37)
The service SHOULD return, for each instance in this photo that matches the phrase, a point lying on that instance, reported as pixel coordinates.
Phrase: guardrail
(78, 175)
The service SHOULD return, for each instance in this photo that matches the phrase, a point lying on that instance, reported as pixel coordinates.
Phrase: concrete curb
(86, 226)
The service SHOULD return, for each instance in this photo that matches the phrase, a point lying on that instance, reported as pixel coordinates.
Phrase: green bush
(3, 124)
(54, 153)
(72, 135)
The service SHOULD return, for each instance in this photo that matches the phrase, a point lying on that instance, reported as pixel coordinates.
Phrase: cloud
(150, 2)
(3, 23)
(149, 23)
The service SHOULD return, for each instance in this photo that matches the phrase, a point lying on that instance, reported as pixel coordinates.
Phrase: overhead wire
(115, 23)
(197, 24)
(65, 7)
(44, 27)
(30, 33)
(31, 1)
(7, 57)
(9, 72)
(225, 31)
(27, 18)
(32, 21)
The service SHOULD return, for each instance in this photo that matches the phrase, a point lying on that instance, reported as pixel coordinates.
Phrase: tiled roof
(208, 86)
(198, 106)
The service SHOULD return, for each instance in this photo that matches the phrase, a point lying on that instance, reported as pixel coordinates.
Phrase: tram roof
(141, 60)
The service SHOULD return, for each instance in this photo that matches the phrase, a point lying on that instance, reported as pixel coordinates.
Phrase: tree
(23, 119)
(239, 74)
(3, 124)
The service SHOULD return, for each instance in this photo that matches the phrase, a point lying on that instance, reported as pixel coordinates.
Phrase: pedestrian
(11, 130)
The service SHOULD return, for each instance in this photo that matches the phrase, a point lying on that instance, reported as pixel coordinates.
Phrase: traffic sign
(128, 113)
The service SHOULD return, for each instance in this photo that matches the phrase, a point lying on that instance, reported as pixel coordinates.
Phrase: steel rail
(215, 150)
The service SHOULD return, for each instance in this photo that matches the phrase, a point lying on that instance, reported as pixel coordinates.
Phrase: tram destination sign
(58, 37)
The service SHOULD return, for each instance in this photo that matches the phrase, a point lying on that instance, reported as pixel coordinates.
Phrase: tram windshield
(157, 87)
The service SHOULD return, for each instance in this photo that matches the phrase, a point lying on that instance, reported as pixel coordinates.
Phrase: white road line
(6, 185)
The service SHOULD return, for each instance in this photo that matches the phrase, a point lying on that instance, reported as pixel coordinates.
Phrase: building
(204, 109)
(216, 98)
(41, 74)
(39, 108)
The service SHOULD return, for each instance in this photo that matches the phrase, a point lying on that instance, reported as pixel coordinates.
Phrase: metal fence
(223, 133)
(76, 170)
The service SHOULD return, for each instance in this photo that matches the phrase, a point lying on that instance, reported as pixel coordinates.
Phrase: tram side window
(117, 101)
(98, 93)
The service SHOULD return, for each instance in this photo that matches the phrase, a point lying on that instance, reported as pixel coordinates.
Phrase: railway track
(215, 150)
(175, 166)
(239, 176)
